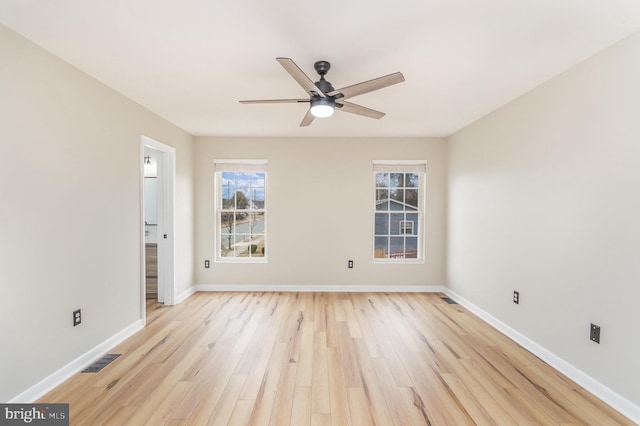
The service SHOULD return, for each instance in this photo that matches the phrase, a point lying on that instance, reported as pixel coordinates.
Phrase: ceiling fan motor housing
(322, 67)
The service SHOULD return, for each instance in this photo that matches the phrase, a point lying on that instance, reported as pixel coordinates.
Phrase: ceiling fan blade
(274, 101)
(299, 76)
(368, 86)
(308, 118)
(359, 109)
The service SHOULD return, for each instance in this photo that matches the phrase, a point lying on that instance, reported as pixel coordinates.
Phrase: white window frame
(404, 227)
(402, 166)
(234, 165)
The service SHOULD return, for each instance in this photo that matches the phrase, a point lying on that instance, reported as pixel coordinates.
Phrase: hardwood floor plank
(274, 358)
(164, 412)
(352, 322)
(283, 401)
(492, 389)
(391, 393)
(153, 402)
(301, 409)
(224, 408)
(304, 378)
(207, 391)
(339, 400)
(254, 380)
(242, 412)
(371, 385)
(265, 398)
(359, 407)
(347, 354)
(320, 419)
(320, 401)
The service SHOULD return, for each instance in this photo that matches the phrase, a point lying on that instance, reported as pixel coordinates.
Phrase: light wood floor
(324, 359)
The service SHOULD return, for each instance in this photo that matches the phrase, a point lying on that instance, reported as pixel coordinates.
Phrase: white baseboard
(47, 384)
(185, 294)
(610, 397)
(325, 288)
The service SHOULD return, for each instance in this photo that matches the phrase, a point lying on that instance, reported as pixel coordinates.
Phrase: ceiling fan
(323, 98)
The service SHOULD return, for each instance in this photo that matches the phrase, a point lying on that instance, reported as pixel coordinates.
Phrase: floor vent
(101, 363)
(449, 300)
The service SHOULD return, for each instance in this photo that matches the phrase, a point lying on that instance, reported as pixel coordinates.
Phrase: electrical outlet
(77, 317)
(350, 264)
(206, 263)
(595, 333)
(516, 297)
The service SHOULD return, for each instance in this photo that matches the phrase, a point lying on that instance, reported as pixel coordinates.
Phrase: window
(406, 227)
(241, 211)
(398, 209)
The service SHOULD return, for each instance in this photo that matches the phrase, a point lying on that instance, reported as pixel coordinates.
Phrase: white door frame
(166, 221)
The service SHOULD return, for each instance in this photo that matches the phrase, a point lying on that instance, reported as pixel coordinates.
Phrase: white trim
(324, 288)
(610, 397)
(240, 161)
(399, 166)
(401, 162)
(185, 295)
(48, 383)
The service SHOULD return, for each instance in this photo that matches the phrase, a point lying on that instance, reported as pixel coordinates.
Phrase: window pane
(241, 245)
(397, 180)
(226, 246)
(228, 179)
(397, 199)
(242, 201)
(228, 200)
(396, 219)
(227, 222)
(413, 217)
(411, 198)
(397, 247)
(411, 248)
(257, 246)
(257, 198)
(256, 223)
(382, 180)
(257, 180)
(412, 180)
(382, 199)
(381, 248)
(382, 224)
(243, 179)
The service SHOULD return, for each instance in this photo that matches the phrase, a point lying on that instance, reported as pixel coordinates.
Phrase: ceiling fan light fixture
(322, 108)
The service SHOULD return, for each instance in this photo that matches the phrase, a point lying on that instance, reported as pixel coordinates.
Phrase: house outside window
(241, 210)
(398, 210)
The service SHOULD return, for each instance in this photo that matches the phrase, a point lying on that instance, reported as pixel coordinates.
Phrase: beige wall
(544, 198)
(320, 211)
(70, 221)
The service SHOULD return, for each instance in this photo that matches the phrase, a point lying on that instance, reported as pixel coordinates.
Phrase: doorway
(158, 242)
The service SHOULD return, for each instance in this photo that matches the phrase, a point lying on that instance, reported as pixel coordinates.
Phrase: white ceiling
(190, 61)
